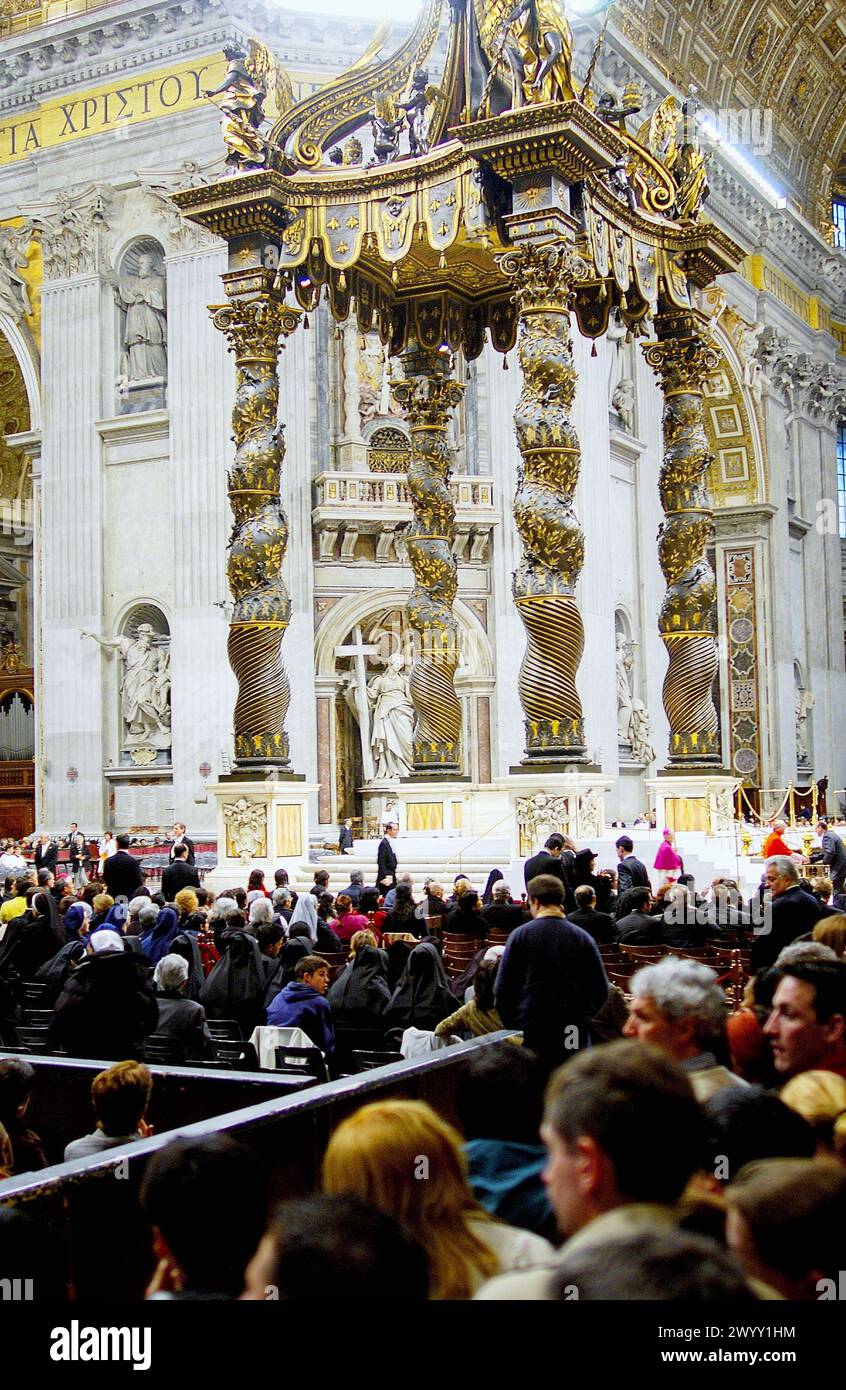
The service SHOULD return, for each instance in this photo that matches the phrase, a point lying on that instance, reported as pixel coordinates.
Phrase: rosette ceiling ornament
(493, 201)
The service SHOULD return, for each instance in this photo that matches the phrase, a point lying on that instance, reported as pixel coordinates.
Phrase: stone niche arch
(340, 765)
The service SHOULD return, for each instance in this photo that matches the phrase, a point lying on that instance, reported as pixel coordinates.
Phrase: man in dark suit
(553, 859)
(637, 927)
(180, 838)
(599, 925)
(121, 871)
(788, 912)
(502, 912)
(179, 874)
(834, 855)
(47, 852)
(631, 873)
(386, 859)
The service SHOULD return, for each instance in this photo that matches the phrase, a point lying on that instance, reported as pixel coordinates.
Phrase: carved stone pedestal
(572, 803)
(702, 801)
(262, 823)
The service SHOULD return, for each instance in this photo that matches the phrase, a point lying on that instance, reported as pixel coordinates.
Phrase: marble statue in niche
(144, 691)
(141, 295)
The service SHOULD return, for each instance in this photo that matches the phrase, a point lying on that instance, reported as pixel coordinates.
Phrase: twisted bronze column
(428, 394)
(682, 359)
(545, 581)
(262, 608)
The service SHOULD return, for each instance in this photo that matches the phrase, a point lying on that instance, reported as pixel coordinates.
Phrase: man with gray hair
(261, 910)
(789, 912)
(678, 1006)
(391, 895)
(355, 885)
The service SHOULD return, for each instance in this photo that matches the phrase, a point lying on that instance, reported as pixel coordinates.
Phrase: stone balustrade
(365, 515)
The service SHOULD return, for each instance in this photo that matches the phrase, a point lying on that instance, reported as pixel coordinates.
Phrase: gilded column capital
(545, 275)
(253, 327)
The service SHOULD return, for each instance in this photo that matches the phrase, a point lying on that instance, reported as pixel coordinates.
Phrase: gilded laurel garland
(682, 359)
(259, 537)
(428, 394)
(553, 542)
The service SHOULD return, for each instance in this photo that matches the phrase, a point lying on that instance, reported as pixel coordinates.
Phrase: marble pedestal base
(572, 803)
(701, 801)
(262, 823)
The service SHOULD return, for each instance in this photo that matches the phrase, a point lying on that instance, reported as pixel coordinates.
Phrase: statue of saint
(804, 703)
(240, 99)
(624, 687)
(642, 750)
(143, 299)
(144, 689)
(539, 49)
(623, 401)
(392, 728)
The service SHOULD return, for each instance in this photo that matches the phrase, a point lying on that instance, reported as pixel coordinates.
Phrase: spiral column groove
(428, 394)
(262, 607)
(544, 584)
(682, 359)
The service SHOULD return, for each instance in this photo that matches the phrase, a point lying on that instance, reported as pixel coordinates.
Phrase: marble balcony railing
(352, 507)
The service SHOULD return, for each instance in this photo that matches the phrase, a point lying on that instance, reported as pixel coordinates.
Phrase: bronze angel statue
(535, 39)
(249, 78)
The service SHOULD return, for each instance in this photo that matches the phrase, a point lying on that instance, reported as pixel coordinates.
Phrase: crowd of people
(653, 1141)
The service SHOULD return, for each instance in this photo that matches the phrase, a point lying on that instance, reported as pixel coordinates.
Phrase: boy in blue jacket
(301, 1004)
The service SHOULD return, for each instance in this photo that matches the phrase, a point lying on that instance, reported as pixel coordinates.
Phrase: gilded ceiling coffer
(262, 607)
(544, 584)
(428, 394)
(682, 358)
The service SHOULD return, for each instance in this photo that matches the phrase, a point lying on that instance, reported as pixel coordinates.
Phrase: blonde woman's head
(820, 1098)
(402, 1158)
(831, 931)
(361, 938)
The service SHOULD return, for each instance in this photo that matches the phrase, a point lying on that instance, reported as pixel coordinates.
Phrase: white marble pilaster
(498, 392)
(70, 558)
(297, 410)
(200, 395)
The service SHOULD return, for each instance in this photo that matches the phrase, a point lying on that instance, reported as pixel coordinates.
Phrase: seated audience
(157, 943)
(270, 939)
(501, 913)
(360, 995)
(820, 1098)
(680, 924)
(422, 998)
(355, 886)
(751, 1054)
(180, 1018)
(479, 1016)
(747, 1124)
(33, 937)
(376, 1154)
(465, 918)
(500, 1106)
(432, 903)
(369, 905)
(302, 1004)
(337, 1250)
(637, 927)
(678, 1006)
(206, 1200)
(17, 1080)
(654, 1266)
(14, 901)
(599, 925)
(789, 912)
(807, 1025)
(120, 1097)
(401, 916)
(625, 1134)
(107, 1006)
(237, 984)
(787, 1225)
(347, 921)
(831, 931)
(259, 913)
